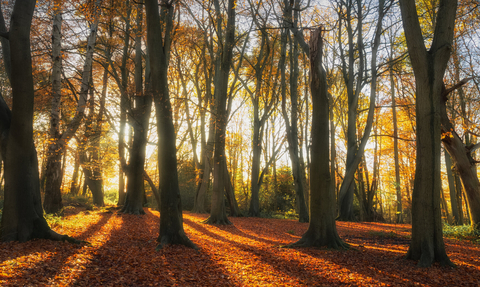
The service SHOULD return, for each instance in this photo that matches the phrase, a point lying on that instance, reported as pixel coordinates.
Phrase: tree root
(127, 209)
(52, 235)
(180, 239)
(330, 243)
(219, 221)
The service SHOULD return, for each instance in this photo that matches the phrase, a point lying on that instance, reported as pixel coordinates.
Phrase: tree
(322, 230)
(355, 152)
(429, 66)
(217, 212)
(159, 29)
(56, 149)
(292, 124)
(462, 158)
(260, 97)
(22, 217)
(140, 118)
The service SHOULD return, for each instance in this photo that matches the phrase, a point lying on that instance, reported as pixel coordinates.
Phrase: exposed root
(127, 209)
(59, 237)
(219, 221)
(330, 243)
(180, 239)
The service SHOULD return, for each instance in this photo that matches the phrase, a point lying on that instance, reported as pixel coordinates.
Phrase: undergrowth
(462, 232)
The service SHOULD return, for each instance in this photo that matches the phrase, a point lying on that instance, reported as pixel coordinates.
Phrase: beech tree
(56, 149)
(22, 217)
(291, 123)
(462, 158)
(355, 79)
(159, 29)
(429, 66)
(139, 120)
(322, 230)
(218, 213)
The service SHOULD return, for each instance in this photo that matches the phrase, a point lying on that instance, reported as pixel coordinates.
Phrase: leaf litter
(248, 253)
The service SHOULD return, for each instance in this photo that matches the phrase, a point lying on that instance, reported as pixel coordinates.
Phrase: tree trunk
(354, 154)
(254, 209)
(53, 181)
(122, 83)
(459, 192)
(464, 163)
(427, 244)
(322, 230)
(353, 92)
(22, 217)
(217, 212)
(74, 186)
(230, 193)
(291, 127)
(141, 115)
(171, 222)
(452, 188)
(399, 217)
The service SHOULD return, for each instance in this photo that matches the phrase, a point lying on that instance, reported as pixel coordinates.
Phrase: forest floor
(248, 253)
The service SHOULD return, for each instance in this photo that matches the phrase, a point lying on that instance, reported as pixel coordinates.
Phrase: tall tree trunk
(354, 153)
(353, 92)
(291, 127)
(53, 181)
(140, 119)
(22, 217)
(199, 204)
(217, 212)
(427, 244)
(322, 230)
(171, 221)
(258, 121)
(122, 83)
(207, 144)
(399, 217)
(90, 143)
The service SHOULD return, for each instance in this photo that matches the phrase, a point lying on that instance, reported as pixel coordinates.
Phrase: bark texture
(427, 244)
(218, 213)
(141, 115)
(171, 221)
(322, 230)
(53, 197)
(22, 217)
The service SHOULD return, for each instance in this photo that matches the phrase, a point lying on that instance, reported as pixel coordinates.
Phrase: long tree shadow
(60, 252)
(255, 228)
(129, 258)
(272, 257)
(378, 257)
(41, 245)
(383, 259)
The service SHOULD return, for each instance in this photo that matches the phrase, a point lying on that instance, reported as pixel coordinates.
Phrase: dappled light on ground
(251, 252)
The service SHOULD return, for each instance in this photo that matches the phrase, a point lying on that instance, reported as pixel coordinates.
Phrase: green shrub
(461, 232)
(110, 197)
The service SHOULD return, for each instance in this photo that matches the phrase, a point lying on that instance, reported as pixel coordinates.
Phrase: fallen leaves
(247, 253)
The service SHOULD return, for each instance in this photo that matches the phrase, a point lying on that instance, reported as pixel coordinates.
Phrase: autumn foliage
(250, 252)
